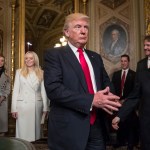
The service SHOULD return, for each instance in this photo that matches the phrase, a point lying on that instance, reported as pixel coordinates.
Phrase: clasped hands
(107, 101)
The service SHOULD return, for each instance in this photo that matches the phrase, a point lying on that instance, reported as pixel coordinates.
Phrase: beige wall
(128, 15)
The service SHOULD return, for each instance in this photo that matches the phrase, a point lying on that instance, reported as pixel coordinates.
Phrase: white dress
(29, 100)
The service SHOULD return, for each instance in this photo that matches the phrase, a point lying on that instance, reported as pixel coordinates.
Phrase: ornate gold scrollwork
(84, 6)
(147, 16)
(13, 4)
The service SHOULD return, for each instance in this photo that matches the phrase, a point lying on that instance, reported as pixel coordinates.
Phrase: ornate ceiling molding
(113, 4)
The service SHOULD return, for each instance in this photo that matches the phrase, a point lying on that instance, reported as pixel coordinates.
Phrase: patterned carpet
(42, 145)
(45, 147)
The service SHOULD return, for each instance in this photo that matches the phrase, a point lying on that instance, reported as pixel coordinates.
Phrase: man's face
(124, 63)
(77, 32)
(147, 48)
(114, 35)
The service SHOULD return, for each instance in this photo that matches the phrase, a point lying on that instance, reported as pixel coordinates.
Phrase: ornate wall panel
(121, 16)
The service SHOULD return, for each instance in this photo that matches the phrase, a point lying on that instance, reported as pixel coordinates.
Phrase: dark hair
(125, 55)
(147, 38)
(1, 55)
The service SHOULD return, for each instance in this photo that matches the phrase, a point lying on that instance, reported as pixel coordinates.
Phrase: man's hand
(107, 101)
(115, 122)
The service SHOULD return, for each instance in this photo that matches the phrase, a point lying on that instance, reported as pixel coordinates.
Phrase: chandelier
(63, 42)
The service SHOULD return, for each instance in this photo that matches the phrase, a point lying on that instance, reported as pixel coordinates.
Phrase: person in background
(4, 93)
(123, 81)
(140, 96)
(79, 89)
(144, 63)
(29, 99)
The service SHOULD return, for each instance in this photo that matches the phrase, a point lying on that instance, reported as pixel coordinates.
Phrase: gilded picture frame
(114, 39)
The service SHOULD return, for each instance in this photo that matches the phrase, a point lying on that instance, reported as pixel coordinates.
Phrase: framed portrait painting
(114, 40)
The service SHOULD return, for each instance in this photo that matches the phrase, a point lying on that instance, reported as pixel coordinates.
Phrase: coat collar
(31, 80)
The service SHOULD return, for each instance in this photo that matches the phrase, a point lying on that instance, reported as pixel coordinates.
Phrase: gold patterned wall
(147, 16)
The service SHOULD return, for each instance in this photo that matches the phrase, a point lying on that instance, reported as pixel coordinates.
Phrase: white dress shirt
(74, 49)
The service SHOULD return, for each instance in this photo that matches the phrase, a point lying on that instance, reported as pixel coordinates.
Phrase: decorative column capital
(13, 3)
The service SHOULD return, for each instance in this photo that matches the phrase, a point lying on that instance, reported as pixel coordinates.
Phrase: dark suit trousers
(96, 137)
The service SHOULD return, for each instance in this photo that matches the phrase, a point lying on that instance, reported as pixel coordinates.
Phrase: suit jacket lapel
(119, 78)
(70, 56)
(128, 76)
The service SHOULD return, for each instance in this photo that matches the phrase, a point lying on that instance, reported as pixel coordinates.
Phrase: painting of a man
(115, 40)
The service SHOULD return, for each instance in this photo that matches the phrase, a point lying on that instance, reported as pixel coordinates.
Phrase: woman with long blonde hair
(29, 100)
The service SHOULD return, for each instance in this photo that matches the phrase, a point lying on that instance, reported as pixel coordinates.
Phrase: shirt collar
(74, 49)
(126, 70)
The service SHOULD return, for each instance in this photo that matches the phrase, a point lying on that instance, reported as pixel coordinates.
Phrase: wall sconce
(29, 44)
(63, 42)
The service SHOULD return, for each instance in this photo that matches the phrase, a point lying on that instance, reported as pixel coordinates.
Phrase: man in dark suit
(144, 63)
(128, 130)
(141, 93)
(79, 100)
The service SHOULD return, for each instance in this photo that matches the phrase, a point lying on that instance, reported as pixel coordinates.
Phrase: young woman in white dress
(29, 99)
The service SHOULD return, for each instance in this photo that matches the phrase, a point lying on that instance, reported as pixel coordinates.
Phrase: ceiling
(44, 20)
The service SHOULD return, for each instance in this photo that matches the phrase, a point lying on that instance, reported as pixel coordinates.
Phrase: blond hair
(37, 69)
(72, 17)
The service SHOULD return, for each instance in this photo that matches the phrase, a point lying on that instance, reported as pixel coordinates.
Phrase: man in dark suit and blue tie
(79, 89)
(123, 81)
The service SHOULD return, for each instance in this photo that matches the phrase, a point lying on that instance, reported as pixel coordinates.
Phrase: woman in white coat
(4, 93)
(29, 99)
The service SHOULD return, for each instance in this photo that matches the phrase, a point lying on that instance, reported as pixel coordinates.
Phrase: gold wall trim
(13, 4)
(84, 6)
(76, 6)
(21, 32)
(147, 16)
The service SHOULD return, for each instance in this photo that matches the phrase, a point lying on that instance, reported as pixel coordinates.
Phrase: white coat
(29, 99)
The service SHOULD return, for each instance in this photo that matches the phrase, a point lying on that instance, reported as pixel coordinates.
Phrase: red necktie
(86, 71)
(122, 82)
